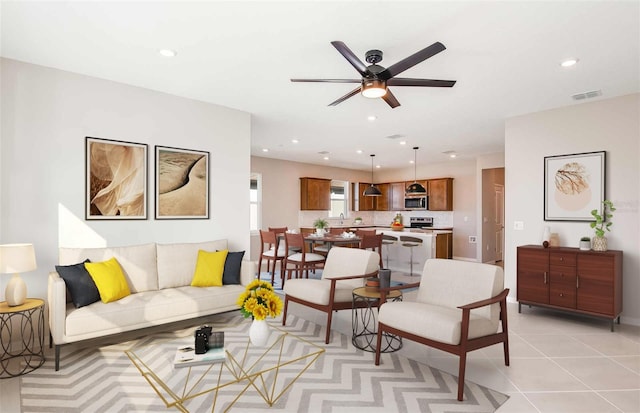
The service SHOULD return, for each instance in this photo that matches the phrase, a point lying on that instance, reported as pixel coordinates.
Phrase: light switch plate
(518, 225)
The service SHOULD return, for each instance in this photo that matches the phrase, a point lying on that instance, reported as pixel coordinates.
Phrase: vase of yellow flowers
(259, 301)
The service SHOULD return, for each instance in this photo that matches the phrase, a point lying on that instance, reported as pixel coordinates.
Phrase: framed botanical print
(115, 179)
(182, 183)
(574, 185)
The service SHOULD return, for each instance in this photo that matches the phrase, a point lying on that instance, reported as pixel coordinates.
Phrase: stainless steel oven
(416, 203)
(421, 222)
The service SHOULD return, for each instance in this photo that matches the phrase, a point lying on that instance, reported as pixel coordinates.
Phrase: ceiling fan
(376, 79)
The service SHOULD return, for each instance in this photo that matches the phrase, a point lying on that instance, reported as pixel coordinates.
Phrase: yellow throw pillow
(109, 278)
(209, 269)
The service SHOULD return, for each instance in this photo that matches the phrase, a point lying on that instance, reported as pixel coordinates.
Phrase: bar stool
(411, 243)
(388, 240)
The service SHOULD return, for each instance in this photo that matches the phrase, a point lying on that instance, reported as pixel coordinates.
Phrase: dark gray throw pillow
(79, 283)
(231, 274)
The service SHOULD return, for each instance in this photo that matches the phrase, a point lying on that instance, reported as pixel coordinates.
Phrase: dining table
(332, 239)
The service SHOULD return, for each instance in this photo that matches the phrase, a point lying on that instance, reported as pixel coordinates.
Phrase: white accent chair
(344, 270)
(459, 308)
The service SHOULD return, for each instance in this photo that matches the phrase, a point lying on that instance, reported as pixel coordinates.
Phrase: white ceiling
(504, 55)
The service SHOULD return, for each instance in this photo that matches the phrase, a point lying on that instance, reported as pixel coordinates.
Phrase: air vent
(323, 152)
(587, 95)
(396, 136)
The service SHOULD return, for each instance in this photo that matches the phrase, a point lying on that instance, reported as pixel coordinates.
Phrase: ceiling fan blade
(345, 97)
(351, 57)
(328, 80)
(391, 99)
(402, 81)
(411, 61)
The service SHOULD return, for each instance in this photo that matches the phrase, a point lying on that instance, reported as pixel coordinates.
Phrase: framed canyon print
(573, 186)
(115, 179)
(182, 183)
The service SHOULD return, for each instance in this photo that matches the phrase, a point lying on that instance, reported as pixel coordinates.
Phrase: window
(255, 202)
(339, 198)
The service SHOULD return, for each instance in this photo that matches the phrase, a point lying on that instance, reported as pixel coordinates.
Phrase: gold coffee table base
(270, 370)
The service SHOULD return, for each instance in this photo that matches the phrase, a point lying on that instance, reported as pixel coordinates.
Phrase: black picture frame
(181, 183)
(115, 180)
(574, 185)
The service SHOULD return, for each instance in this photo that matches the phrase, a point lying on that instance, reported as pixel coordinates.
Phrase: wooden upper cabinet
(396, 196)
(366, 203)
(382, 202)
(440, 193)
(315, 194)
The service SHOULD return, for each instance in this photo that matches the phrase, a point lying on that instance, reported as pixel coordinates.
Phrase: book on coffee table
(186, 357)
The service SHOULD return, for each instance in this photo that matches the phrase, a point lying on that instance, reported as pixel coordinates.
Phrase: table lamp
(14, 259)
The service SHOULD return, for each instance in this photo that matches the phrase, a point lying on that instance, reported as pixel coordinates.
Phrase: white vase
(320, 231)
(599, 243)
(585, 245)
(259, 333)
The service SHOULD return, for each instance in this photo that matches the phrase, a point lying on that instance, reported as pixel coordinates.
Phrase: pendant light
(415, 188)
(372, 190)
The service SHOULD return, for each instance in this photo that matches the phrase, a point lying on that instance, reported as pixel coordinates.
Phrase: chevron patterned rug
(344, 379)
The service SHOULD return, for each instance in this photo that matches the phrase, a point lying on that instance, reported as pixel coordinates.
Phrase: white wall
(611, 125)
(46, 115)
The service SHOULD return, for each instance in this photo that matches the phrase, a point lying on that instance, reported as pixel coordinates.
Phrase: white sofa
(159, 278)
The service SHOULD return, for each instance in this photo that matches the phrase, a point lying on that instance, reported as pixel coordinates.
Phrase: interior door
(499, 224)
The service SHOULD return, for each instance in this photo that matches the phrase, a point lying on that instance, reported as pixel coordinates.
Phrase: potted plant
(320, 225)
(585, 243)
(601, 224)
(357, 221)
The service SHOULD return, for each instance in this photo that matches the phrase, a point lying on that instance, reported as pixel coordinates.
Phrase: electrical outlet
(472, 239)
(518, 225)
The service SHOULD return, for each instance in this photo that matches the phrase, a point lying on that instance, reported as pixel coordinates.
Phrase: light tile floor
(560, 363)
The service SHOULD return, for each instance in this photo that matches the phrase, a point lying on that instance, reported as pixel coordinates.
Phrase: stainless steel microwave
(416, 203)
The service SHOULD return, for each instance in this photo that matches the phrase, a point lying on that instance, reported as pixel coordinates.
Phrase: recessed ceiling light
(359, 151)
(451, 154)
(167, 52)
(378, 166)
(371, 118)
(403, 142)
(294, 141)
(265, 150)
(411, 161)
(569, 62)
(326, 158)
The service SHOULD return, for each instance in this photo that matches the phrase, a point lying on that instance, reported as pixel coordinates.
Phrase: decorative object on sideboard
(585, 243)
(554, 239)
(601, 224)
(182, 183)
(16, 259)
(573, 185)
(546, 235)
(115, 179)
(357, 221)
(372, 190)
(320, 225)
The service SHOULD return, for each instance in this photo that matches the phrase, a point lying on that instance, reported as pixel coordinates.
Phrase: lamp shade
(17, 258)
(14, 259)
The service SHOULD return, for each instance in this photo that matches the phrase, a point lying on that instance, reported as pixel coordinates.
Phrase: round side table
(364, 321)
(22, 332)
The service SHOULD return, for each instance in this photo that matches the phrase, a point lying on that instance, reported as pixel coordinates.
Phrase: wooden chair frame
(296, 241)
(270, 238)
(331, 306)
(466, 344)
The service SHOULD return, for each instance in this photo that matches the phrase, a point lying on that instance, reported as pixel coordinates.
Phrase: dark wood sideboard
(569, 279)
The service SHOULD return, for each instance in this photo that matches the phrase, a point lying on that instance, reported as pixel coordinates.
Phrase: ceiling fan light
(374, 88)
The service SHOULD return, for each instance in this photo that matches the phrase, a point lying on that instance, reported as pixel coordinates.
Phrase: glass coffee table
(269, 371)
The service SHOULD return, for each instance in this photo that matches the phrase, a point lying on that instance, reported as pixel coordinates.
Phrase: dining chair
(361, 232)
(300, 262)
(271, 250)
(280, 233)
(372, 242)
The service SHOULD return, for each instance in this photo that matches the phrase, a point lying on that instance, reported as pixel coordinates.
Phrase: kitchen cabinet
(444, 245)
(382, 201)
(440, 193)
(569, 279)
(315, 194)
(396, 196)
(361, 202)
